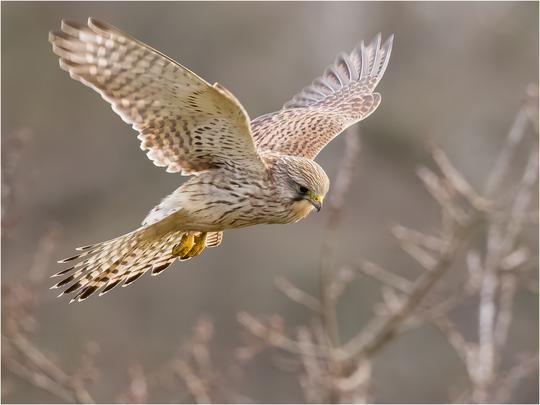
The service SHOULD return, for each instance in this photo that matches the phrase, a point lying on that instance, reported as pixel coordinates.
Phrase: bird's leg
(182, 248)
(199, 245)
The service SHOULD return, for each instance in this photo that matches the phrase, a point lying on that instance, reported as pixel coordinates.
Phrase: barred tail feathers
(124, 259)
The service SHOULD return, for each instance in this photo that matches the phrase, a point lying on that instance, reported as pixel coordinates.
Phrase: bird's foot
(184, 246)
(190, 245)
(198, 245)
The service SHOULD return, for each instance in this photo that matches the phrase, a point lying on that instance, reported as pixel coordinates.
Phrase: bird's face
(303, 183)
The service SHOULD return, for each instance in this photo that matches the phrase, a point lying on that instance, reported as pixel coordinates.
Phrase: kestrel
(243, 172)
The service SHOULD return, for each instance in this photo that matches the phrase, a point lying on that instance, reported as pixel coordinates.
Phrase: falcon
(242, 172)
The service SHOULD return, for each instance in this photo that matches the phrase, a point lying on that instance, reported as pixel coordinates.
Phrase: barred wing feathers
(341, 97)
(184, 123)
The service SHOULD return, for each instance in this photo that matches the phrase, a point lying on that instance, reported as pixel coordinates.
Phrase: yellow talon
(184, 246)
(198, 246)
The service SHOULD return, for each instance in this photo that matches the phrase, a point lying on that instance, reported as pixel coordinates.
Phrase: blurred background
(457, 76)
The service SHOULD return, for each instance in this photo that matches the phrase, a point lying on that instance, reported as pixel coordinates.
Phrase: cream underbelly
(248, 216)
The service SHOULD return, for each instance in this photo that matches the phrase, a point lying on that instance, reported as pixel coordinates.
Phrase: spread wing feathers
(119, 261)
(360, 71)
(342, 96)
(184, 123)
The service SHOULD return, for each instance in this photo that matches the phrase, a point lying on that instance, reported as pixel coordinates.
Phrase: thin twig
(376, 334)
(335, 208)
(297, 295)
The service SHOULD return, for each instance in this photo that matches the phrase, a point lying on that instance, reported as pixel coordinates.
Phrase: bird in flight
(242, 172)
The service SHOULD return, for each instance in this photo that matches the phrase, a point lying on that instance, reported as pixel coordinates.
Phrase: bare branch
(297, 295)
(412, 236)
(25, 360)
(386, 277)
(273, 336)
(194, 383)
(508, 288)
(337, 201)
(500, 169)
(442, 195)
(379, 332)
(457, 181)
(519, 372)
(455, 338)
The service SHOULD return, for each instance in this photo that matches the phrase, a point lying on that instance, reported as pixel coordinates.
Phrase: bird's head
(301, 181)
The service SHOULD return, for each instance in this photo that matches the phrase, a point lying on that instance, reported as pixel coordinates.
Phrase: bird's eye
(303, 189)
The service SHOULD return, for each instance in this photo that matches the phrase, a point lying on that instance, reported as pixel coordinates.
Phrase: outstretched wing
(341, 97)
(184, 123)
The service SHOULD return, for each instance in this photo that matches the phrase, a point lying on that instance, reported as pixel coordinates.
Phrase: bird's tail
(122, 260)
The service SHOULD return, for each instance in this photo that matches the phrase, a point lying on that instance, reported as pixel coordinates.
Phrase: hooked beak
(315, 200)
